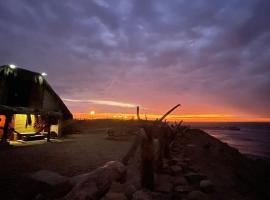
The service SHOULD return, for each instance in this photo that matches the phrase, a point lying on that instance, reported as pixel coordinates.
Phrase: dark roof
(25, 74)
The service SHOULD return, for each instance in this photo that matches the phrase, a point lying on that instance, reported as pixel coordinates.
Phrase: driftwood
(97, 183)
(165, 135)
(132, 149)
(154, 134)
(169, 112)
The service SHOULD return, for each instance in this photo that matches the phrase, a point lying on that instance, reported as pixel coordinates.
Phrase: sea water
(251, 139)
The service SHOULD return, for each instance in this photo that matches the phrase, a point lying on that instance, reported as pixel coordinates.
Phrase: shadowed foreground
(194, 154)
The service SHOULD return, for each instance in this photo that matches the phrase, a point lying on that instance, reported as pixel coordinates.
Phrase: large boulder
(206, 185)
(114, 196)
(165, 187)
(196, 195)
(176, 169)
(194, 178)
(142, 195)
(163, 183)
(50, 184)
(96, 184)
(183, 189)
(129, 189)
(180, 180)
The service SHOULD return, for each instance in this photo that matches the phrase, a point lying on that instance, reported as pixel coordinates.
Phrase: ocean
(249, 138)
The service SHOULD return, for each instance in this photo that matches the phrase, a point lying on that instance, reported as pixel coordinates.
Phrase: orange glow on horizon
(184, 117)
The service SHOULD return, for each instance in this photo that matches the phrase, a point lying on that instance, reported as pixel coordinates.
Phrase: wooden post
(147, 161)
(138, 113)
(49, 130)
(59, 128)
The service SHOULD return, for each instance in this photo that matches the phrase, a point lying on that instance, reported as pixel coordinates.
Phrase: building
(29, 107)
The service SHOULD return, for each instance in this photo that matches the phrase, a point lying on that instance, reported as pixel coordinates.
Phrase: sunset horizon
(135, 100)
(171, 118)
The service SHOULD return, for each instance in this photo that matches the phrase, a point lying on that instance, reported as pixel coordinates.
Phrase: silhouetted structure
(28, 93)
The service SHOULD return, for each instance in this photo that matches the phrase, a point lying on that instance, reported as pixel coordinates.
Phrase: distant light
(12, 66)
(43, 74)
(92, 112)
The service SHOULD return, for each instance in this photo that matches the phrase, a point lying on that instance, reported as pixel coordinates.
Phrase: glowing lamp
(12, 66)
(43, 74)
(92, 112)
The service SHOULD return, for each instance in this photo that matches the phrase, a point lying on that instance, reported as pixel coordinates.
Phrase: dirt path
(75, 154)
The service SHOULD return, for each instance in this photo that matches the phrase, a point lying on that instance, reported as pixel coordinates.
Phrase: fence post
(147, 160)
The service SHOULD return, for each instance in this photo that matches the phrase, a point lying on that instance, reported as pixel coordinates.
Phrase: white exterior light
(43, 74)
(12, 66)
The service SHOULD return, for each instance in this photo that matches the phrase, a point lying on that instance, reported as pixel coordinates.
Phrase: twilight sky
(211, 56)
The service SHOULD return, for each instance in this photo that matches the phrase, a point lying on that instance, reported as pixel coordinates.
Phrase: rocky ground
(201, 167)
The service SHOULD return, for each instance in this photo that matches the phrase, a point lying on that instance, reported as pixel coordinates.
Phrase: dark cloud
(152, 53)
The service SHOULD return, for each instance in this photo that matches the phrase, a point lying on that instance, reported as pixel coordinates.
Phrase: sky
(212, 57)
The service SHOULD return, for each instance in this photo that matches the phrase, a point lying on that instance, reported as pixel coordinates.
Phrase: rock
(163, 183)
(95, 184)
(206, 185)
(165, 165)
(176, 169)
(114, 196)
(141, 195)
(196, 195)
(180, 180)
(40, 197)
(174, 161)
(165, 187)
(195, 177)
(129, 190)
(165, 171)
(160, 196)
(51, 184)
(163, 178)
(186, 160)
(182, 189)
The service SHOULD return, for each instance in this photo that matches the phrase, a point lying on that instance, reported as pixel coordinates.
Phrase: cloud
(103, 102)
(155, 53)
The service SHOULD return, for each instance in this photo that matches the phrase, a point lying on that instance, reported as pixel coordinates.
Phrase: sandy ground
(70, 155)
(86, 147)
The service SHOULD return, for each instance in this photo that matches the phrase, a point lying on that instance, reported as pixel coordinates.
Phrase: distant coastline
(252, 138)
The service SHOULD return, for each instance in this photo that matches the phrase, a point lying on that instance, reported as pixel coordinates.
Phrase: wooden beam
(169, 112)
(132, 150)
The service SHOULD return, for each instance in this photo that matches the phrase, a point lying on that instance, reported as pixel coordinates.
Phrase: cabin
(29, 108)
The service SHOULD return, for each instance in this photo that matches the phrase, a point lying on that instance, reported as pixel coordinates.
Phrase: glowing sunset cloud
(103, 102)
